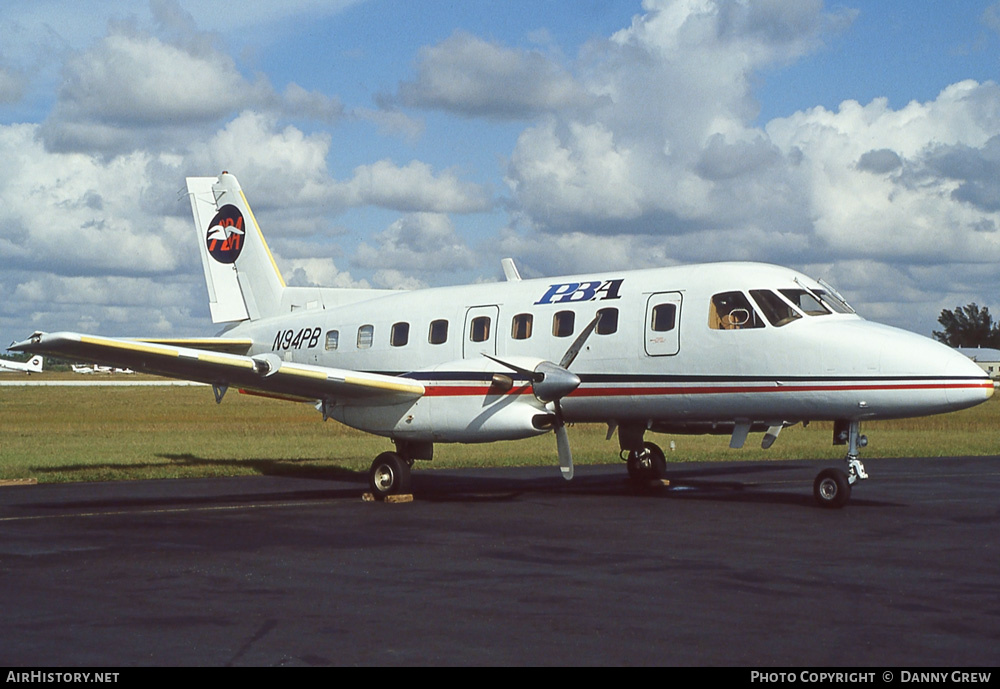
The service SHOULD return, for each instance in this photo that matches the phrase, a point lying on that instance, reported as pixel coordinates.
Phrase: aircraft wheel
(389, 475)
(832, 489)
(648, 464)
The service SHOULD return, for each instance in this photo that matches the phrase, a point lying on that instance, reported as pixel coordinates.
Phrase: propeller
(550, 383)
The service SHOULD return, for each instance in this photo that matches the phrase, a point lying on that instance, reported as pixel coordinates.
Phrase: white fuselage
(688, 377)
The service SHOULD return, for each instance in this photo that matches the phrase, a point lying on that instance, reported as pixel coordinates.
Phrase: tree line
(968, 326)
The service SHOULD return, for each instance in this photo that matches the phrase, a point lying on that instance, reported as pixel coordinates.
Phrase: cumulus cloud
(417, 242)
(473, 77)
(935, 161)
(976, 169)
(671, 133)
(122, 93)
(283, 166)
(76, 215)
(880, 161)
(136, 90)
(316, 272)
(413, 187)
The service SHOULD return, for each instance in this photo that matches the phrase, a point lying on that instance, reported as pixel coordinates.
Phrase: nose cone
(980, 387)
(907, 354)
(905, 374)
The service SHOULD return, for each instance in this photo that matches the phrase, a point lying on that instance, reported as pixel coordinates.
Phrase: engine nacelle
(486, 405)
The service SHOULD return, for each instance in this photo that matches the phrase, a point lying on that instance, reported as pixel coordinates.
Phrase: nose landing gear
(832, 487)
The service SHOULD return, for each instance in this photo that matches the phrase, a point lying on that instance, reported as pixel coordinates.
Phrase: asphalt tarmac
(733, 565)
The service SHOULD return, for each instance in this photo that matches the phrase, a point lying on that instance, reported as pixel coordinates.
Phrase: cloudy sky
(391, 143)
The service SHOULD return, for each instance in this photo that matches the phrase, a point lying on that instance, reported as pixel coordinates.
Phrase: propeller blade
(565, 455)
(578, 343)
(532, 375)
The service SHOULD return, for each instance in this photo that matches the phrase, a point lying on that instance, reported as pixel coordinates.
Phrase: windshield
(805, 301)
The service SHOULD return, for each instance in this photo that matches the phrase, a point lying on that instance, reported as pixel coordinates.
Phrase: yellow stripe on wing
(168, 351)
(385, 385)
(305, 373)
(225, 361)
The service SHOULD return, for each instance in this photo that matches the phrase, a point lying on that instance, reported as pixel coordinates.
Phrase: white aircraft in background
(729, 348)
(33, 365)
(94, 368)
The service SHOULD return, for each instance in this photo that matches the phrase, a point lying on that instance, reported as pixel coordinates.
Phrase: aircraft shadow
(764, 483)
(767, 485)
(295, 468)
(358, 481)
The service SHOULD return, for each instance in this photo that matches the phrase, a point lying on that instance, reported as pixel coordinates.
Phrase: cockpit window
(732, 311)
(805, 301)
(776, 310)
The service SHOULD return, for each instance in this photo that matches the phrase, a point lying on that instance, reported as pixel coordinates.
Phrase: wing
(265, 373)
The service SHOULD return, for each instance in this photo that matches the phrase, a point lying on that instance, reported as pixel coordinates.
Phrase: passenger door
(663, 320)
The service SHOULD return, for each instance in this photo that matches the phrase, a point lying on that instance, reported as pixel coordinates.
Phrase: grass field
(57, 434)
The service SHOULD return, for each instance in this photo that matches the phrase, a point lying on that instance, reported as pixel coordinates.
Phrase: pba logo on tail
(225, 234)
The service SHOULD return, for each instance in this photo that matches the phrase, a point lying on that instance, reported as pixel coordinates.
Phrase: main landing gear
(389, 475)
(390, 472)
(647, 464)
(645, 461)
(832, 487)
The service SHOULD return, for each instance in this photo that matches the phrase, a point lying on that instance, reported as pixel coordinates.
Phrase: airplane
(87, 370)
(723, 348)
(33, 365)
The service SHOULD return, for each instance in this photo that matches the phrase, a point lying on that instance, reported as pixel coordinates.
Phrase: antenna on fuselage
(510, 271)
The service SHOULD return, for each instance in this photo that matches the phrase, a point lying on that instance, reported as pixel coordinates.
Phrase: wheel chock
(402, 497)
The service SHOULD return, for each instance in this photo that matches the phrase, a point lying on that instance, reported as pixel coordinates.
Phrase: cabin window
(609, 321)
(438, 333)
(732, 311)
(366, 333)
(776, 310)
(400, 334)
(805, 302)
(520, 327)
(332, 338)
(479, 330)
(562, 323)
(664, 318)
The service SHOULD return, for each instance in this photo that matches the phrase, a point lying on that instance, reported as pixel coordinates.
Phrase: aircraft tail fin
(243, 280)
(35, 364)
